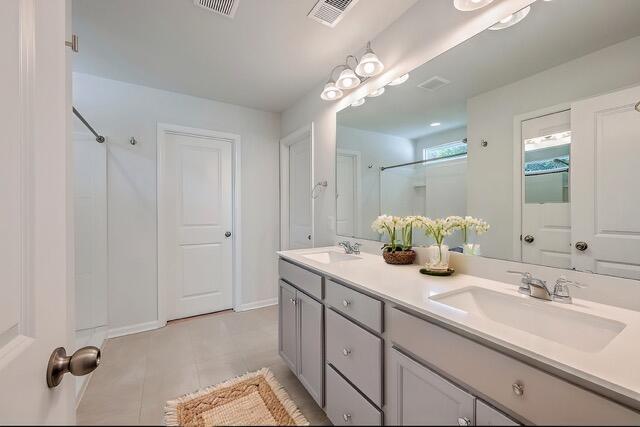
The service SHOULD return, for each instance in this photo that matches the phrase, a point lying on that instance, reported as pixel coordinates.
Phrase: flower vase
(437, 258)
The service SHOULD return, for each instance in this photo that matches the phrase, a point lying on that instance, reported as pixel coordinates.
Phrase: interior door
(36, 221)
(197, 186)
(546, 206)
(300, 194)
(605, 177)
(346, 169)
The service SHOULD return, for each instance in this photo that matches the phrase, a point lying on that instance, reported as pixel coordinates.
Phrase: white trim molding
(235, 140)
(285, 143)
(134, 329)
(257, 304)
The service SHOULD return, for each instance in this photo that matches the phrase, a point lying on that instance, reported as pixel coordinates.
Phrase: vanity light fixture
(350, 78)
(469, 5)
(369, 65)
(359, 102)
(398, 81)
(511, 20)
(331, 92)
(376, 92)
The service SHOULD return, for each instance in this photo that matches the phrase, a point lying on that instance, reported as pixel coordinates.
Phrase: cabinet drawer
(546, 399)
(356, 353)
(345, 406)
(354, 304)
(305, 280)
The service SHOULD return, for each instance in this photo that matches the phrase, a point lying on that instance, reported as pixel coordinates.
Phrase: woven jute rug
(254, 399)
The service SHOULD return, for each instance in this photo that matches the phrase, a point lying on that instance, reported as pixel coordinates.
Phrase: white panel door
(605, 177)
(346, 167)
(546, 217)
(36, 220)
(300, 194)
(549, 224)
(90, 206)
(197, 187)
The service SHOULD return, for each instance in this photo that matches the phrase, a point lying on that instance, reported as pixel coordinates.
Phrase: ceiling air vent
(330, 12)
(221, 7)
(434, 83)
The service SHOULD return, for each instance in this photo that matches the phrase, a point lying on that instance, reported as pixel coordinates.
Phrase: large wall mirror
(533, 128)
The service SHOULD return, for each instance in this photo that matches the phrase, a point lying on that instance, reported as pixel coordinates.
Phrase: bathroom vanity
(376, 344)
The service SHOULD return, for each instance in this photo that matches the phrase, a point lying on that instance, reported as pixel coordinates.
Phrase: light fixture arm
(341, 67)
(346, 61)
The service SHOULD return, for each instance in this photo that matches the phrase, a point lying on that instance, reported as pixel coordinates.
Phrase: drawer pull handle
(346, 417)
(518, 389)
(346, 303)
(464, 421)
(346, 352)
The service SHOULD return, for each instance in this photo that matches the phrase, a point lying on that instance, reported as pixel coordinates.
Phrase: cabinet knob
(346, 417)
(518, 389)
(346, 352)
(346, 303)
(464, 421)
(292, 301)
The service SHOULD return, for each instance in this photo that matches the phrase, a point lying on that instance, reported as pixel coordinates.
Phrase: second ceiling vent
(221, 7)
(330, 12)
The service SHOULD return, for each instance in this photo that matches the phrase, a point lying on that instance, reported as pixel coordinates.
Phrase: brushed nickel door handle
(582, 246)
(529, 238)
(227, 234)
(82, 362)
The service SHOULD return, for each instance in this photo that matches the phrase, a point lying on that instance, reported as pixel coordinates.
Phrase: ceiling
(554, 32)
(267, 57)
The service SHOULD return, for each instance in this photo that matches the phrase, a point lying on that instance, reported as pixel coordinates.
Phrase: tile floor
(140, 372)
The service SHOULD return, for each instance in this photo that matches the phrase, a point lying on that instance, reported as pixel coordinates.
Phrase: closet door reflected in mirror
(532, 128)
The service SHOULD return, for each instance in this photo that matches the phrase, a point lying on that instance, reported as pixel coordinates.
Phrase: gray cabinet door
(287, 330)
(488, 416)
(310, 364)
(425, 398)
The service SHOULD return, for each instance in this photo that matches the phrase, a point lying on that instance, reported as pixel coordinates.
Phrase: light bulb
(376, 92)
(369, 67)
(347, 79)
(434, 124)
(511, 20)
(470, 5)
(331, 92)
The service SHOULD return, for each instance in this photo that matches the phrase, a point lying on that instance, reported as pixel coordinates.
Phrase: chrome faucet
(561, 290)
(350, 248)
(537, 288)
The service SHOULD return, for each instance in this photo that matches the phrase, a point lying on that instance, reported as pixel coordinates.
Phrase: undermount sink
(329, 257)
(580, 331)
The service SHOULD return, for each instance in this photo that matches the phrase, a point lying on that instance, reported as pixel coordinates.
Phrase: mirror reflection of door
(347, 166)
(546, 211)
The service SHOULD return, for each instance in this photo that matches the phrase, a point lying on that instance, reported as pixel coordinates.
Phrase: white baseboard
(134, 329)
(257, 304)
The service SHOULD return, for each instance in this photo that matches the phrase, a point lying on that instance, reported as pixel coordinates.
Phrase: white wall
(120, 110)
(375, 149)
(491, 115)
(416, 37)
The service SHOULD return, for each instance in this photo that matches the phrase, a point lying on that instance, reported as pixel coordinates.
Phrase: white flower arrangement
(389, 225)
(477, 225)
(440, 228)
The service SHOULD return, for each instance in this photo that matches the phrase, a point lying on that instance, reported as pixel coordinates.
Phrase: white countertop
(615, 368)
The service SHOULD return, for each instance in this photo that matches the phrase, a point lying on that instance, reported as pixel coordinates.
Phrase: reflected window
(443, 152)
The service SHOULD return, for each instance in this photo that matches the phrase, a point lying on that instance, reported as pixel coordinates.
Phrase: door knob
(582, 246)
(308, 236)
(464, 421)
(227, 234)
(529, 238)
(82, 362)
